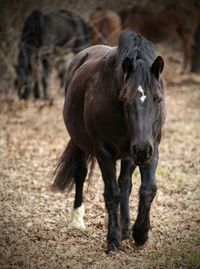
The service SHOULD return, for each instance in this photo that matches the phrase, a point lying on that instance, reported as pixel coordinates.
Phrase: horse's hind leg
(125, 185)
(45, 77)
(72, 169)
(36, 91)
(77, 218)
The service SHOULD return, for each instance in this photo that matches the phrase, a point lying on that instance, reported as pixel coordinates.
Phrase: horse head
(142, 96)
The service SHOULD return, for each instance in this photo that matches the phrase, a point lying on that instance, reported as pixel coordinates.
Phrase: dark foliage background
(14, 12)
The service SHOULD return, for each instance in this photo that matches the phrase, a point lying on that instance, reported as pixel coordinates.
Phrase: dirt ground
(34, 221)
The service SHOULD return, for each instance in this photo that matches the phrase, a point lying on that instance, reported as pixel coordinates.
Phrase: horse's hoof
(115, 247)
(140, 247)
(77, 220)
(75, 225)
(140, 236)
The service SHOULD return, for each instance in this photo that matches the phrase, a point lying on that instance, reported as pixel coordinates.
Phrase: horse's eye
(157, 99)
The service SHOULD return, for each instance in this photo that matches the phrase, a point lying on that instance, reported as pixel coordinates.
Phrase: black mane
(142, 54)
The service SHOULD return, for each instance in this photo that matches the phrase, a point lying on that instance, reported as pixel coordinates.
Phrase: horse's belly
(74, 121)
(78, 133)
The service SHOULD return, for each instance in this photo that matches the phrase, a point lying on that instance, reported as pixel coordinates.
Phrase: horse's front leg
(146, 195)
(125, 185)
(112, 198)
(45, 77)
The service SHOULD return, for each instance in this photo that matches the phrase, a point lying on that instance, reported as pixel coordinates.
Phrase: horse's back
(89, 57)
(61, 28)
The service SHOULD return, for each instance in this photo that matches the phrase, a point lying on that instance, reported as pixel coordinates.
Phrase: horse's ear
(157, 67)
(127, 66)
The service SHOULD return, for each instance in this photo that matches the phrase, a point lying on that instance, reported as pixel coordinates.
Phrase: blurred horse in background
(106, 26)
(45, 34)
(159, 26)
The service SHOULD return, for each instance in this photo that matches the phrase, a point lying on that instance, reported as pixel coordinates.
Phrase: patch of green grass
(160, 259)
(186, 253)
(193, 259)
(181, 177)
(161, 170)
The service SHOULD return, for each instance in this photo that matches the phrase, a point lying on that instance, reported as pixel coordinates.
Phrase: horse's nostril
(142, 153)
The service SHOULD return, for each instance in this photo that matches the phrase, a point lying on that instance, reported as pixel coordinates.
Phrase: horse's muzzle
(142, 153)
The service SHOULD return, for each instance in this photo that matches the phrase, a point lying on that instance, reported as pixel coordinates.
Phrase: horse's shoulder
(94, 53)
(89, 58)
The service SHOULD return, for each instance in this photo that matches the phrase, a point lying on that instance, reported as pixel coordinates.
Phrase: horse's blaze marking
(143, 97)
(77, 216)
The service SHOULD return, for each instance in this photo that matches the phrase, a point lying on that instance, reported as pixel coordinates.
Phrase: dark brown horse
(159, 26)
(114, 110)
(106, 26)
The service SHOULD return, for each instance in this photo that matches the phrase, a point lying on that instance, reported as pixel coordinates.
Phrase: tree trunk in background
(195, 67)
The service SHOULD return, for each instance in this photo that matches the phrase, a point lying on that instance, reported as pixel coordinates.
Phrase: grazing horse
(105, 26)
(114, 110)
(44, 34)
(159, 26)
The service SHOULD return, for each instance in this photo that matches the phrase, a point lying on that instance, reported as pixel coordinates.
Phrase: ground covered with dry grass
(34, 221)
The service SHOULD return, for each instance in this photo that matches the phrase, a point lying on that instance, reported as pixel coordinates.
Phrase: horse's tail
(66, 168)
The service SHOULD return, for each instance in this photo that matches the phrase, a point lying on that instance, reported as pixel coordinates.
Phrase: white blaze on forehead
(77, 216)
(143, 97)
